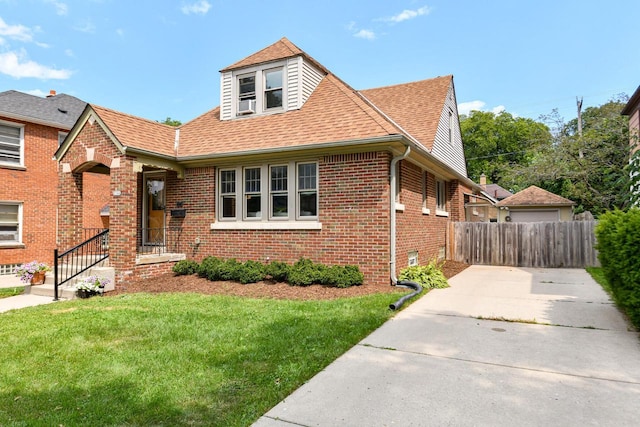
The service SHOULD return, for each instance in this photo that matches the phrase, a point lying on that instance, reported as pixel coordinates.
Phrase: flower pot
(38, 278)
(83, 293)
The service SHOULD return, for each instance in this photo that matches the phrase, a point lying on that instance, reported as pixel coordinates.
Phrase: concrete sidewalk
(565, 357)
(19, 301)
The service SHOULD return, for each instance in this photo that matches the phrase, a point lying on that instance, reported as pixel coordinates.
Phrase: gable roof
(139, 133)
(282, 49)
(60, 111)
(535, 196)
(416, 106)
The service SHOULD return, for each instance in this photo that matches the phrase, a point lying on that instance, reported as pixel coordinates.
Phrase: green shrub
(304, 273)
(229, 270)
(185, 267)
(209, 268)
(430, 276)
(278, 271)
(618, 237)
(342, 276)
(250, 272)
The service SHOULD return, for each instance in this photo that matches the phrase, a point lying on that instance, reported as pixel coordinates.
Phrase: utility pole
(579, 103)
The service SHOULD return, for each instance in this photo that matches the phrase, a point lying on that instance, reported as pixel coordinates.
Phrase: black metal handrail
(79, 259)
(159, 240)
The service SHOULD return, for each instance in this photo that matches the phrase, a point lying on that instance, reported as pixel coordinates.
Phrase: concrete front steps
(67, 290)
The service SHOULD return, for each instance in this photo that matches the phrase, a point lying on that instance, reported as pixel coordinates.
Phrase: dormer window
(247, 94)
(260, 90)
(273, 88)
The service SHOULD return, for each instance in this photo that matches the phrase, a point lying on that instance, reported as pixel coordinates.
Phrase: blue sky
(158, 59)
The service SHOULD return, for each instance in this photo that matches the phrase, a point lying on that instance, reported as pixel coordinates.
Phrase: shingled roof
(60, 110)
(136, 132)
(416, 107)
(535, 196)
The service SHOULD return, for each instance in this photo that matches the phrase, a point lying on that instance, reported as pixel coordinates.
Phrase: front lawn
(11, 292)
(170, 359)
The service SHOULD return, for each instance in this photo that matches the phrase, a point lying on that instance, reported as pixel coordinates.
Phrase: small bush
(229, 270)
(430, 276)
(343, 276)
(250, 272)
(185, 267)
(277, 271)
(305, 273)
(209, 268)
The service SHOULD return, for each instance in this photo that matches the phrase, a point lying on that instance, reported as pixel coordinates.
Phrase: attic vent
(62, 111)
(247, 106)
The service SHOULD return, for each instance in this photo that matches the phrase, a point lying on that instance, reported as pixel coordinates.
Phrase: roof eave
(35, 120)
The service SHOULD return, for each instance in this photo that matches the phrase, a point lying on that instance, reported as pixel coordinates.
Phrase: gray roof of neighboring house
(497, 192)
(55, 110)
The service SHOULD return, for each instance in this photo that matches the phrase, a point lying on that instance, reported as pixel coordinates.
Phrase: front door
(154, 215)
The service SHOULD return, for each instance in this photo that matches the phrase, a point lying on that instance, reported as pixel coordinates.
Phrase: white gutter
(392, 213)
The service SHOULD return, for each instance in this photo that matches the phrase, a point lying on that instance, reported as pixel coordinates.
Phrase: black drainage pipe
(406, 284)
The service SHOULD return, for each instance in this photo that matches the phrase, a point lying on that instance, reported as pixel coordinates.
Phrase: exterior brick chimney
(51, 93)
(483, 181)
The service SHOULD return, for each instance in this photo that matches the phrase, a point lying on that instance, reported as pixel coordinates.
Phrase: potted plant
(32, 272)
(90, 285)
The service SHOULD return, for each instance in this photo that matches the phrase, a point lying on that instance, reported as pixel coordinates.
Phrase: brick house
(293, 163)
(31, 129)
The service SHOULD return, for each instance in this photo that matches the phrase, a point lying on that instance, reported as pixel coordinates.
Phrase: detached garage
(534, 204)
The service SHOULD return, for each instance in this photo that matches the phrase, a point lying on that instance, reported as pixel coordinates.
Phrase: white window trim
(266, 221)
(21, 164)
(439, 210)
(260, 77)
(19, 242)
(425, 194)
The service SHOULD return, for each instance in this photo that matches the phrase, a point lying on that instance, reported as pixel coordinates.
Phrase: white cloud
(409, 14)
(17, 65)
(16, 32)
(497, 110)
(61, 8)
(69, 53)
(466, 107)
(200, 7)
(365, 34)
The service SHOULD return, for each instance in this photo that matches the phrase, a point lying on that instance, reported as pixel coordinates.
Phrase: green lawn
(10, 292)
(170, 359)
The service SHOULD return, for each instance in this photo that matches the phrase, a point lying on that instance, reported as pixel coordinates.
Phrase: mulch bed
(171, 283)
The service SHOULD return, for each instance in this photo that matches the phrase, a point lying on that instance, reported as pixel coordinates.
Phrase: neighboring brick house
(632, 109)
(31, 129)
(293, 163)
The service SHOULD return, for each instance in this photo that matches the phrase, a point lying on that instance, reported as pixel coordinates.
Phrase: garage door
(535, 216)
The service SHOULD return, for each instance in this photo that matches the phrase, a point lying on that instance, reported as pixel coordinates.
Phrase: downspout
(392, 235)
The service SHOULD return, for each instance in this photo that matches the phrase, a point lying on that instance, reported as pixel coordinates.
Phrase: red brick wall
(416, 231)
(95, 194)
(354, 213)
(36, 188)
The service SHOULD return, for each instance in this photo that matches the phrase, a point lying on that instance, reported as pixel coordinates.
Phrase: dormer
(276, 79)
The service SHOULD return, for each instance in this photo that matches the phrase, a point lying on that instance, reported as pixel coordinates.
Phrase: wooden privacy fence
(568, 244)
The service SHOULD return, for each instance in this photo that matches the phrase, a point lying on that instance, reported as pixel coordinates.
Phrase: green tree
(591, 169)
(494, 144)
(171, 122)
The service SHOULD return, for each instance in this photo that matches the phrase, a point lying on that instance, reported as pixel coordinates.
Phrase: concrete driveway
(502, 346)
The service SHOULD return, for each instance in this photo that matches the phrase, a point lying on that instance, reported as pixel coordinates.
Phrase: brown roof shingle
(334, 112)
(416, 106)
(136, 132)
(535, 196)
(281, 49)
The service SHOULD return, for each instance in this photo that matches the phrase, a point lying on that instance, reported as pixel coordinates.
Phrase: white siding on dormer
(226, 96)
(450, 152)
(311, 77)
(293, 71)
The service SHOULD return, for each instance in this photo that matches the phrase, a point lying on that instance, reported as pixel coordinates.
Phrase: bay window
(279, 194)
(228, 193)
(252, 193)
